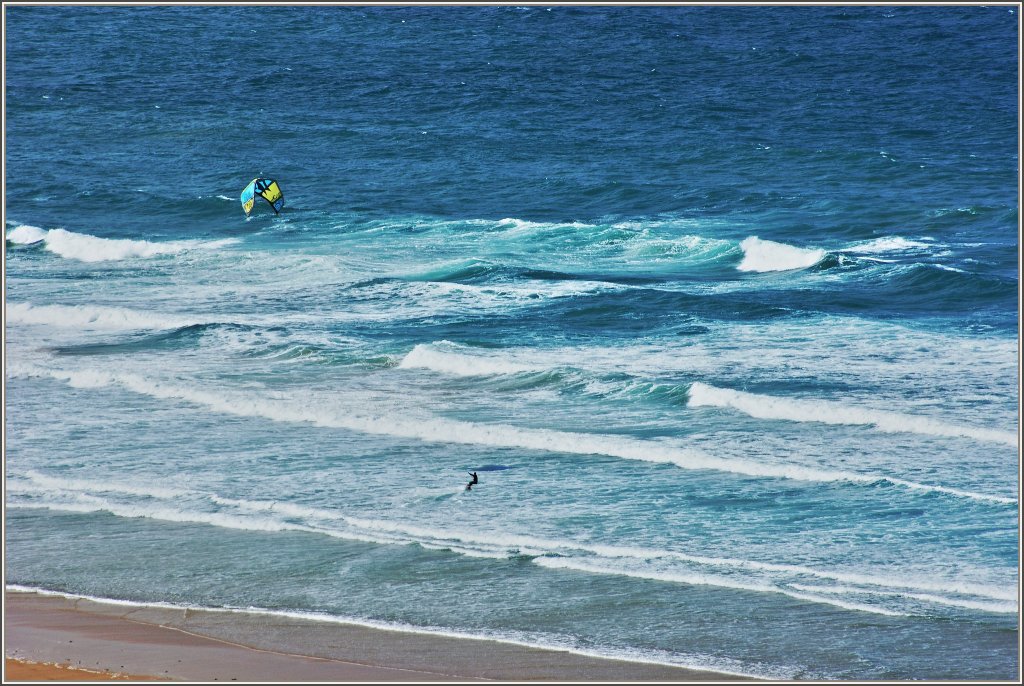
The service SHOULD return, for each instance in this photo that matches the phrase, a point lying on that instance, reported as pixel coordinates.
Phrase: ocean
(719, 302)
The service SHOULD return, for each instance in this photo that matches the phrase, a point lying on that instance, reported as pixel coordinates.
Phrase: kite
(266, 189)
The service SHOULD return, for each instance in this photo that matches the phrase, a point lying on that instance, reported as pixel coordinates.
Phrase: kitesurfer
(469, 486)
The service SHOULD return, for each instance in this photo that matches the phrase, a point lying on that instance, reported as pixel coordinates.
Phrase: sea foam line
(88, 248)
(92, 317)
(495, 545)
(86, 504)
(438, 430)
(492, 544)
(548, 554)
(73, 484)
(710, 580)
(998, 608)
(100, 317)
(562, 644)
(887, 245)
(532, 545)
(829, 412)
(89, 504)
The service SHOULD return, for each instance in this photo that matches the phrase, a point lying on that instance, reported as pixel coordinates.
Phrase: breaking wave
(87, 248)
(760, 255)
(84, 317)
(830, 412)
(367, 420)
(449, 358)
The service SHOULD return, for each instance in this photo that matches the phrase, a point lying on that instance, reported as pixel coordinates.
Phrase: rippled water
(720, 303)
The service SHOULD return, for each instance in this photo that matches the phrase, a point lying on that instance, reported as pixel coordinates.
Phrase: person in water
(469, 486)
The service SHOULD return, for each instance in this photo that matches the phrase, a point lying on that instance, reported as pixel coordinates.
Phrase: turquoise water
(720, 303)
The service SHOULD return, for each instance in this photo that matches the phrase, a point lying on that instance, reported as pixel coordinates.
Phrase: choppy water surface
(720, 303)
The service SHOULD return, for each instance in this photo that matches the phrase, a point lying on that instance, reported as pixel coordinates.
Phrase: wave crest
(448, 358)
(829, 412)
(440, 430)
(87, 248)
(768, 256)
(91, 317)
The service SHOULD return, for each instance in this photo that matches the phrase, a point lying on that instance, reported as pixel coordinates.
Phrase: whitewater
(386, 395)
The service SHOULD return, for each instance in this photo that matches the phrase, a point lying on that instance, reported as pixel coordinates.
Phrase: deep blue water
(720, 302)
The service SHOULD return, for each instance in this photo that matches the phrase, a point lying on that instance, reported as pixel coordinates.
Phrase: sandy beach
(48, 633)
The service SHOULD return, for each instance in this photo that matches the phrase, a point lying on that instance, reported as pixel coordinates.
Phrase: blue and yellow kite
(266, 189)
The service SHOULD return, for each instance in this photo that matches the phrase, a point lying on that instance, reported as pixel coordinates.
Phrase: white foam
(502, 543)
(523, 225)
(1000, 608)
(26, 235)
(84, 503)
(886, 245)
(448, 358)
(81, 503)
(708, 580)
(691, 249)
(831, 412)
(61, 484)
(77, 495)
(435, 429)
(906, 581)
(768, 256)
(88, 248)
(86, 317)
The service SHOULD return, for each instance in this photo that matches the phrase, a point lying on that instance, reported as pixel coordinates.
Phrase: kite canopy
(266, 189)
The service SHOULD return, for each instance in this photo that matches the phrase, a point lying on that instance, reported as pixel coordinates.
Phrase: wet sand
(20, 670)
(202, 645)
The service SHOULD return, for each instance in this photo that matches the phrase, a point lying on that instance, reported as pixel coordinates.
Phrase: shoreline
(186, 644)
